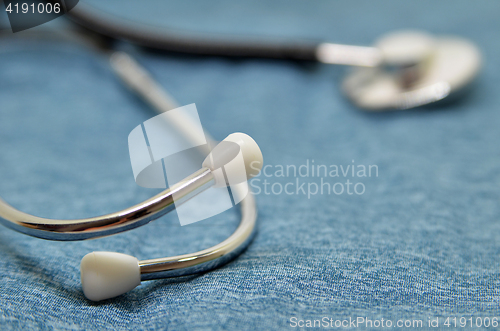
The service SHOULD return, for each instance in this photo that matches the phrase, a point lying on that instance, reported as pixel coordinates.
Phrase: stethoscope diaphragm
(416, 70)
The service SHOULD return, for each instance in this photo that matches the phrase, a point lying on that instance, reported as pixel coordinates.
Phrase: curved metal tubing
(141, 214)
(101, 226)
(210, 258)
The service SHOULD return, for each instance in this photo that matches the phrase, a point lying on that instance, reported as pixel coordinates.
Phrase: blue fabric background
(422, 242)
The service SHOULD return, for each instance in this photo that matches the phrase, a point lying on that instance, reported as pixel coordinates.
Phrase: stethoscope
(403, 70)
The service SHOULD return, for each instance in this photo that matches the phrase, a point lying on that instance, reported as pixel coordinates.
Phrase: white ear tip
(106, 275)
(251, 152)
(238, 155)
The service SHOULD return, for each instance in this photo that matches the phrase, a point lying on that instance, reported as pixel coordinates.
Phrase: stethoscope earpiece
(233, 161)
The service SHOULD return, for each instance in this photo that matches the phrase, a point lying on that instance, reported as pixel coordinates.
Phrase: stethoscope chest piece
(416, 69)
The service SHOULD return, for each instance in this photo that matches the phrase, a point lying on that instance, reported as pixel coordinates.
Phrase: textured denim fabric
(421, 242)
